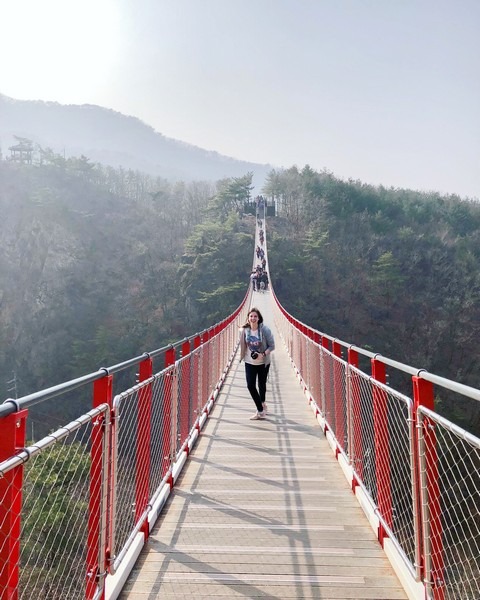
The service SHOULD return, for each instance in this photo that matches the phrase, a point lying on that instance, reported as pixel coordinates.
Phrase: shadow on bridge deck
(262, 509)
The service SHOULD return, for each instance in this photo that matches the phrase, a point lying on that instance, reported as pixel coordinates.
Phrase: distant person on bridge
(264, 280)
(256, 345)
(253, 279)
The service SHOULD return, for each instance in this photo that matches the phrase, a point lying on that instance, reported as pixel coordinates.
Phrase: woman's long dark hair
(260, 318)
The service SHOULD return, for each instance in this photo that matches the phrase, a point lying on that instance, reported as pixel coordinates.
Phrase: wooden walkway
(262, 509)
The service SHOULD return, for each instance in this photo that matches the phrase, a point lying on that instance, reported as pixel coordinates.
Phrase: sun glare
(57, 50)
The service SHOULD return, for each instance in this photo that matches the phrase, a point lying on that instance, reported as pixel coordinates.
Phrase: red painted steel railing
(416, 473)
(76, 505)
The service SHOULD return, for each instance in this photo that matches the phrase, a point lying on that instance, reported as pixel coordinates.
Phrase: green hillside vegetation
(393, 271)
(99, 265)
(89, 267)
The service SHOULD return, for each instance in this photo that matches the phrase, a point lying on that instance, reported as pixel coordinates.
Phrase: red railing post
(423, 395)
(96, 556)
(13, 438)
(144, 426)
(382, 447)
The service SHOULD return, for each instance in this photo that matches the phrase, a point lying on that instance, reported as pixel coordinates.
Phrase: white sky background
(384, 91)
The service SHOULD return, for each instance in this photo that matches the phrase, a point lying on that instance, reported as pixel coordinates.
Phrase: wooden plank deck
(262, 509)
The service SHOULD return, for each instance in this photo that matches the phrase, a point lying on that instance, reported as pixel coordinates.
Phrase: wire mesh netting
(340, 380)
(126, 424)
(160, 440)
(153, 420)
(363, 458)
(59, 482)
(313, 370)
(73, 502)
(329, 389)
(435, 525)
(450, 467)
(185, 403)
(381, 454)
(143, 436)
(400, 438)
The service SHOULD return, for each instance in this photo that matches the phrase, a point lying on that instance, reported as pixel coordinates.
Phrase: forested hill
(391, 270)
(98, 265)
(90, 267)
(114, 139)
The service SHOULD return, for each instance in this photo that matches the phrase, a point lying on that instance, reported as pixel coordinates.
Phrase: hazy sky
(385, 91)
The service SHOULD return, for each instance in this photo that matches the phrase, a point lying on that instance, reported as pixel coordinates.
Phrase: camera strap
(248, 333)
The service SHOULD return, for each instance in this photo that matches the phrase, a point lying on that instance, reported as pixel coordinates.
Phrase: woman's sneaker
(265, 408)
(258, 415)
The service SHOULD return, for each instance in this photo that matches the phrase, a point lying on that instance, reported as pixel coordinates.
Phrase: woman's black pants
(251, 374)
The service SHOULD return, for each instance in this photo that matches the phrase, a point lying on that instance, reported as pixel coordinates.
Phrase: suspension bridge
(166, 489)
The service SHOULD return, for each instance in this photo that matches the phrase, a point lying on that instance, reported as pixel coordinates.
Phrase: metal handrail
(453, 386)
(11, 405)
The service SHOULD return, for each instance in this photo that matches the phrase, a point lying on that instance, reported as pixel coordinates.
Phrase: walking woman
(256, 345)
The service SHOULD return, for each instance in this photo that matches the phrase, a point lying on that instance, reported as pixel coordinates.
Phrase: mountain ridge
(112, 138)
